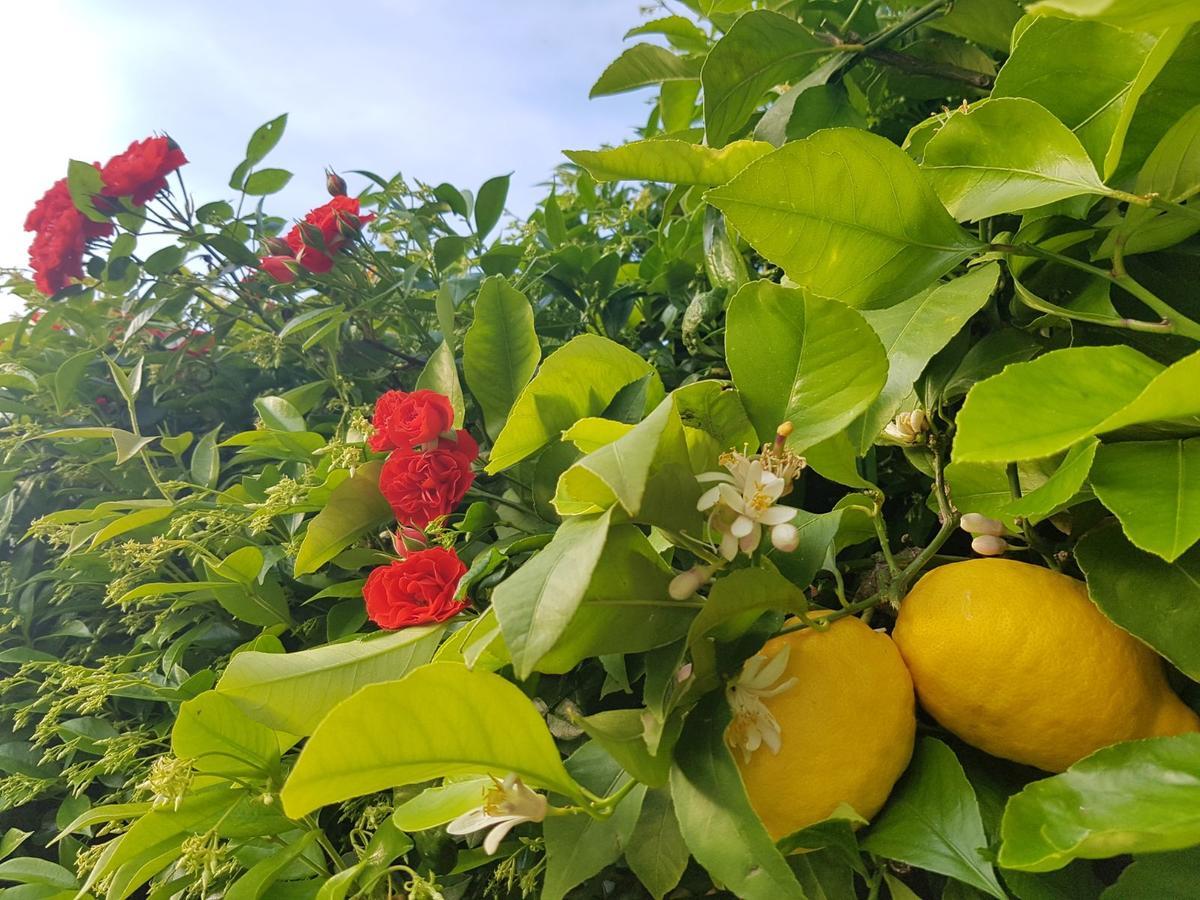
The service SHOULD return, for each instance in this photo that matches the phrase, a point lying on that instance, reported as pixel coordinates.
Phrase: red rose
(403, 420)
(281, 268)
(416, 590)
(62, 234)
(141, 171)
(425, 485)
(314, 241)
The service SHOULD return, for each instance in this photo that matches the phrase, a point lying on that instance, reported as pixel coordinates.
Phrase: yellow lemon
(821, 718)
(1016, 660)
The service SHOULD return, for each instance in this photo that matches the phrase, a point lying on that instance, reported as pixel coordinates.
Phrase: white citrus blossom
(753, 725)
(907, 427)
(989, 545)
(744, 499)
(504, 807)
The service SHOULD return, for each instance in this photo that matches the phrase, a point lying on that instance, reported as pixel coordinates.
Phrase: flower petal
(491, 843)
(777, 515)
(471, 821)
(709, 498)
(741, 526)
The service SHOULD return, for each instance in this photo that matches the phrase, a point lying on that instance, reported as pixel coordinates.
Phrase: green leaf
(680, 31)
(912, 332)
(1155, 601)
(354, 508)
(622, 732)
(480, 724)
(1173, 168)
(131, 521)
(760, 50)
(84, 183)
(441, 375)
(1044, 406)
(536, 603)
(835, 833)
(31, 870)
(500, 350)
(489, 204)
(1005, 155)
(579, 846)
(1134, 15)
(1158, 875)
(656, 853)
(443, 803)
(800, 358)
(846, 214)
(278, 414)
(1046, 63)
(577, 380)
(715, 818)
(1153, 488)
(1135, 797)
(643, 65)
(932, 821)
(1057, 491)
(292, 692)
(266, 181)
(714, 408)
(206, 459)
(677, 162)
(266, 872)
(213, 731)
(263, 141)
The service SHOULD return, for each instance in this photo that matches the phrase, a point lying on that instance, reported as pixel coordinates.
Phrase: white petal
(730, 497)
(750, 542)
(773, 669)
(777, 515)
(729, 546)
(715, 476)
(709, 498)
(741, 526)
(491, 843)
(470, 821)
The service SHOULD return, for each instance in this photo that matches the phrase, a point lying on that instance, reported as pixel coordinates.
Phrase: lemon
(1016, 660)
(842, 714)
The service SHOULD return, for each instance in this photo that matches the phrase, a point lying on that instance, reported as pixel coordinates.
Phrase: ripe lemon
(843, 703)
(1016, 660)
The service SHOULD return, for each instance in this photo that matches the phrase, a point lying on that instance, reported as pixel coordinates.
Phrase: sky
(441, 90)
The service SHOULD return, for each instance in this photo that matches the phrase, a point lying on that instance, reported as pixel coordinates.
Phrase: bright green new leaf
(441, 376)
(641, 66)
(716, 409)
(932, 821)
(656, 853)
(761, 49)
(355, 508)
(32, 870)
(439, 721)
(1135, 797)
(292, 692)
(577, 380)
(1135, 15)
(848, 215)
(221, 739)
(1156, 601)
(536, 603)
(1153, 488)
(440, 804)
(912, 332)
(677, 162)
(715, 817)
(500, 350)
(266, 872)
(1169, 397)
(1056, 492)
(796, 357)
(1006, 155)
(1044, 406)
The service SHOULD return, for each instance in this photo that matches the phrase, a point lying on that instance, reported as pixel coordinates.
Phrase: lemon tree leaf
(500, 350)
(212, 730)
(455, 721)
(1168, 397)
(1055, 492)
(1005, 155)
(932, 821)
(1045, 405)
(715, 818)
(440, 804)
(267, 871)
(641, 66)
(1134, 797)
(579, 379)
(354, 508)
(677, 162)
(1158, 875)
(1156, 601)
(1136, 15)
(656, 853)
(796, 357)
(846, 214)
(292, 692)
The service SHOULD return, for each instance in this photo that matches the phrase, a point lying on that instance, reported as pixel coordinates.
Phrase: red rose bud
(313, 236)
(335, 183)
(416, 590)
(276, 247)
(403, 420)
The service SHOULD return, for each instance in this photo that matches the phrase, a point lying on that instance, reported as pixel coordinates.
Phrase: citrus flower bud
(974, 523)
(335, 183)
(907, 427)
(785, 537)
(989, 545)
(687, 583)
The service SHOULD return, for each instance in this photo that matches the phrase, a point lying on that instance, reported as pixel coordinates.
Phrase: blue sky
(442, 90)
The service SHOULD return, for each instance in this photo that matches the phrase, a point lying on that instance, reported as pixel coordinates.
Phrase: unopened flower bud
(406, 539)
(907, 427)
(785, 537)
(335, 183)
(687, 583)
(276, 247)
(311, 236)
(974, 523)
(989, 545)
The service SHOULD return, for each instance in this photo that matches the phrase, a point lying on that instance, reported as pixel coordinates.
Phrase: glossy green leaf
(622, 733)
(32, 870)
(716, 409)
(579, 379)
(656, 853)
(292, 692)
(846, 214)
(1156, 601)
(536, 603)
(264, 139)
(677, 162)
(1153, 488)
(911, 333)
(480, 725)
(1056, 491)
(715, 818)
(800, 358)
(206, 459)
(1173, 168)
(500, 350)
(1158, 875)
(761, 49)
(355, 508)
(932, 821)
(278, 414)
(1046, 63)
(1005, 155)
(1044, 406)
(440, 804)
(266, 872)
(220, 738)
(641, 66)
(489, 204)
(441, 376)
(1135, 15)
(1135, 797)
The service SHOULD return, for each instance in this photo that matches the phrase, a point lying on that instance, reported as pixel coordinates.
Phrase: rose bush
(393, 551)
